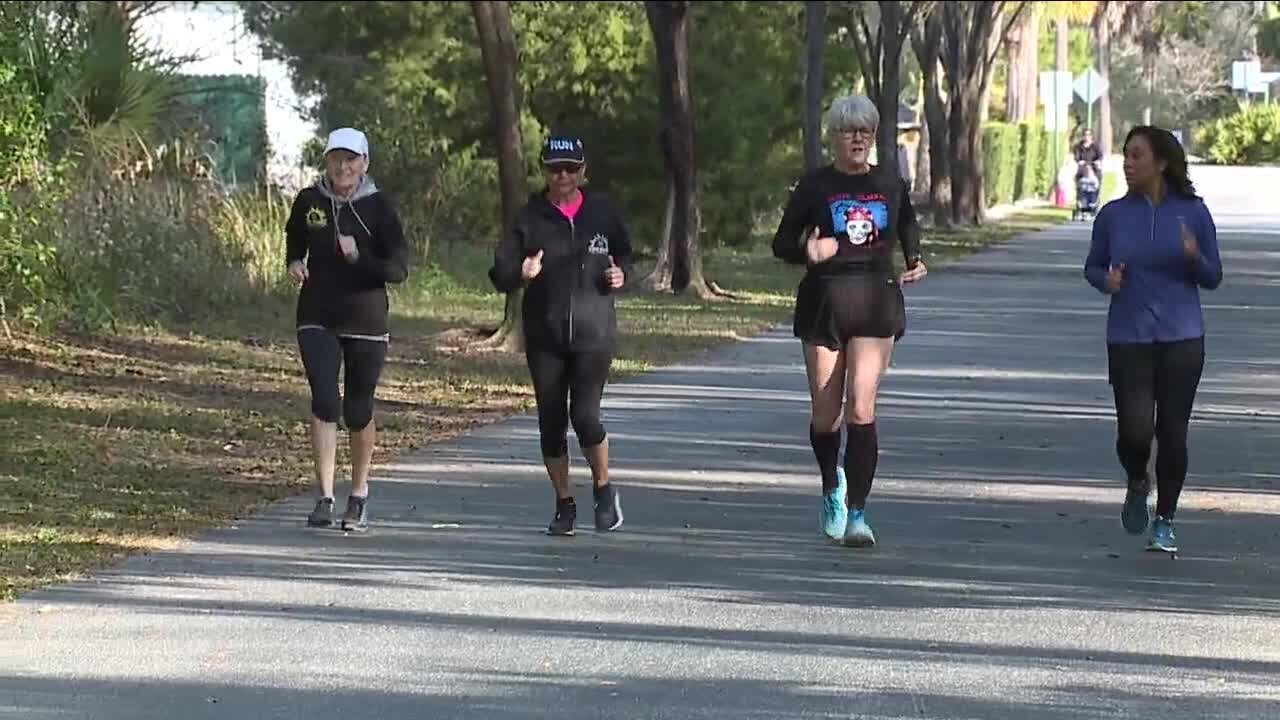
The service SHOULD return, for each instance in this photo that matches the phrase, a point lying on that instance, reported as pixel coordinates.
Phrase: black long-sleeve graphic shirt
(867, 214)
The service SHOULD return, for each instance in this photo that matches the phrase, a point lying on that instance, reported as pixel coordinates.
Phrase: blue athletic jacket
(1160, 300)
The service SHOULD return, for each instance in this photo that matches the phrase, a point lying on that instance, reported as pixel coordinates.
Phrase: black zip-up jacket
(867, 214)
(347, 298)
(569, 306)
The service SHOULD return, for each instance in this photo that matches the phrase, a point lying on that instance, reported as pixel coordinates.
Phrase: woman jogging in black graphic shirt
(345, 244)
(843, 221)
(570, 249)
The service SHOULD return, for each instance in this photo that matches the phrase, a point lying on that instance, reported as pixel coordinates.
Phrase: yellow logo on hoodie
(316, 218)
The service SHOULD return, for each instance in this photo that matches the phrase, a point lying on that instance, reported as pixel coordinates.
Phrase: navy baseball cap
(562, 149)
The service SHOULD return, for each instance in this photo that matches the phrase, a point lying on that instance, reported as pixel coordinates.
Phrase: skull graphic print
(859, 220)
(859, 225)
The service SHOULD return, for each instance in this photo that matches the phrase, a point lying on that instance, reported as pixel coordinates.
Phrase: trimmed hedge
(1019, 161)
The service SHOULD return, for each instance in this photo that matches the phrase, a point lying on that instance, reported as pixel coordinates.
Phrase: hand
(531, 267)
(298, 271)
(347, 244)
(820, 249)
(1189, 245)
(614, 275)
(914, 273)
(1115, 279)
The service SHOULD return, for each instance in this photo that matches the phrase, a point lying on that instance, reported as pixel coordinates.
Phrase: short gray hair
(852, 111)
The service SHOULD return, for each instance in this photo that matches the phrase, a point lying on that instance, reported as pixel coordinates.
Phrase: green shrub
(1033, 137)
(1001, 147)
(1249, 137)
(27, 193)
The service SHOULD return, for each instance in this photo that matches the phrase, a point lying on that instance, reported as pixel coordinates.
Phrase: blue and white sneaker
(834, 512)
(857, 532)
(1162, 537)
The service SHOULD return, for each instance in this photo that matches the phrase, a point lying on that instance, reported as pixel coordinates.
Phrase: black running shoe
(322, 516)
(608, 508)
(566, 515)
(356, 518)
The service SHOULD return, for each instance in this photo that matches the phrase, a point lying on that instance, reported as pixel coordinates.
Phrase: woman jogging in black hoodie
(570, 249)
(344, 245)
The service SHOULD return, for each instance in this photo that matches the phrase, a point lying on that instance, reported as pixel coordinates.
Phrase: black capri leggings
(568, 387)
(323, 354)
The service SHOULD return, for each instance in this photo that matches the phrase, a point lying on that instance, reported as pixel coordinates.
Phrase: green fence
(230, 113)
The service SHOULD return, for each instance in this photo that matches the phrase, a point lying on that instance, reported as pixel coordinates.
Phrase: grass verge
(131, 442)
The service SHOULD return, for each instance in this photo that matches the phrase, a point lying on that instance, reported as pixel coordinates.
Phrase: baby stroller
(1088, 188)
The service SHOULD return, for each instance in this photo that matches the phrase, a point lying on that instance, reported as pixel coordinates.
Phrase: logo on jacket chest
(316, 218)
(599, 245)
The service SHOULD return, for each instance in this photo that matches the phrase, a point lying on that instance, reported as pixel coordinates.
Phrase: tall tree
(972, 35)
(498, 50)
(926, 40)
(679, 266)
(879, 32)
(1104, 23)
(815, 41)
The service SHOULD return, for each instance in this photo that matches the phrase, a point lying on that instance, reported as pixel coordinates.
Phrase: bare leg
(598, 458)
(826, 370)
(362, 446)
(871, 358)
(324, 447)
(558, 471)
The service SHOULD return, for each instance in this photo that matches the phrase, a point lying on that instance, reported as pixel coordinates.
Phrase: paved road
(1003, 587)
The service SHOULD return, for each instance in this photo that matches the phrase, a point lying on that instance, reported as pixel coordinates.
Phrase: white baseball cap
(347, 139)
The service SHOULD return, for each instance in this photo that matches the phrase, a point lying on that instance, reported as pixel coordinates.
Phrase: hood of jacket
(363, 190)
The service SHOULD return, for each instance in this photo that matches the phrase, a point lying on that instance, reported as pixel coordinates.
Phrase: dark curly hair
(1166, 147)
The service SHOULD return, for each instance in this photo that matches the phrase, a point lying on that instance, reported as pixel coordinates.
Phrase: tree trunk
(682, 268)
(498, 50)
(1029, 92)
(1023, 57)
(891, 16)
(1106, 134)
(815, 22)
(927, 44)
(923, 166)
(1061, 44)
(1149, 76)
(964, 170)
(972, 34)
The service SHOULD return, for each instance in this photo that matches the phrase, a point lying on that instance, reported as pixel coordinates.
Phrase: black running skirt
(830, 311)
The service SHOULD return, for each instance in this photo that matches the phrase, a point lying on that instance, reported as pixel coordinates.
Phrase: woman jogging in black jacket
(344, 245)
(570, 249)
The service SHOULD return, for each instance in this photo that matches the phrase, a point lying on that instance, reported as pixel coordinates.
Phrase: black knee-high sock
(826, 448)
(860, 459)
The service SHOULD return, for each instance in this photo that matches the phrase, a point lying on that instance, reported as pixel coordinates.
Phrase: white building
(215, 32)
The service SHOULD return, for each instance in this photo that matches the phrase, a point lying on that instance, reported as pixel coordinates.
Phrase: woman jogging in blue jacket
(1152, 252)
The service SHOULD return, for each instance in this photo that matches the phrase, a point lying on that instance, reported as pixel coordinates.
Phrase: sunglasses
(566, 168)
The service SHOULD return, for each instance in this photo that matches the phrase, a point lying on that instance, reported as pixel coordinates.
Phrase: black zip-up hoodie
(347, 298)
(569, 306)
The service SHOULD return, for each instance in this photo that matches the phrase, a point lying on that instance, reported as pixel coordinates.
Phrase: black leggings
(323, 354)
(568, 387)
(1155, 387)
